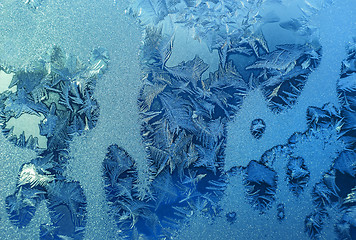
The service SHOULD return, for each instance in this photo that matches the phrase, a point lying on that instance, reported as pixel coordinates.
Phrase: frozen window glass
(177, 119)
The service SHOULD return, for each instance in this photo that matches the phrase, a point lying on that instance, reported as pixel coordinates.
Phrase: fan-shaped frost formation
(283, 73)
(260, 183)
(298, 175)
(175, 197)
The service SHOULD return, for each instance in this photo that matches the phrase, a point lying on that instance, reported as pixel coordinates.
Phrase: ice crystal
(258, 127)
(180, 110)
(183, 130)
(287, 172)
(284, 72)
(184, 119)
(298, 175)
(260, 182)
(65, 99)
(55, 76)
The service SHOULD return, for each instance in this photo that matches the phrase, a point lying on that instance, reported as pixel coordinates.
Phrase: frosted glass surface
(177, 119)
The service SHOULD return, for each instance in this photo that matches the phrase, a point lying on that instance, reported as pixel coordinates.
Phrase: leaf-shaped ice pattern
(21, 206)
(119, 177)
(29, 175)
(190, 71)
(228, 17)
(177, 113)
(48, 125)
(346, 87)
(260, 183)
(69, 109)
(298, 175)
(347, 84)
(177, 194)
(284, 72)
(285, 57)
(22, 103)
(67, 198)
(153, 11)
(226, 26)
(156, 49)
(345, 163)
(348, 65)
(67, 80)
(29, 78)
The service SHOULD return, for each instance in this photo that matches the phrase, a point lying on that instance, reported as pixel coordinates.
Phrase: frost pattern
(284, 73)
(183, 129)
(58, 87)
(174, 103)
(184, 118)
